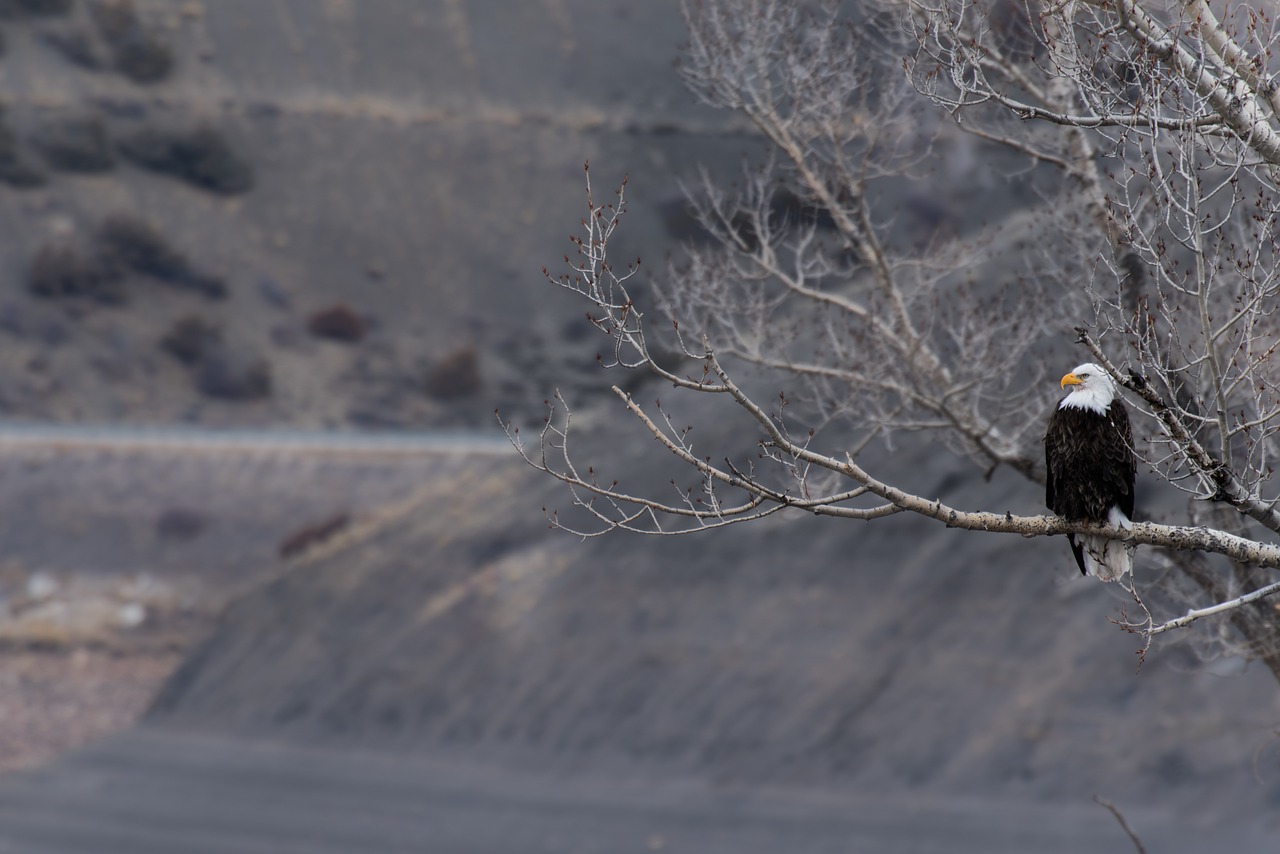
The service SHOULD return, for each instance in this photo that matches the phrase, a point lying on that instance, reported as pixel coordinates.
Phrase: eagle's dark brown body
(1091, 465)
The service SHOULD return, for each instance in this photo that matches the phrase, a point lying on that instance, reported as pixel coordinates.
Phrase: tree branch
(1124, 825)
(1164, 128)
(1220, 608)
(1144, 533)
(1209, 469)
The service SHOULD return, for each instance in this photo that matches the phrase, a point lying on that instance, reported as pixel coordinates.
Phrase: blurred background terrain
(287, 216)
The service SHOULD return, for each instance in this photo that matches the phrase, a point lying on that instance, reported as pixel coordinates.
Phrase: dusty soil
(52, 701)
(112, 565)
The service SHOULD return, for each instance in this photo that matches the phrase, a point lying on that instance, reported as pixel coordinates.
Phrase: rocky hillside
(336, 213)
(326, 213)
(894, 656)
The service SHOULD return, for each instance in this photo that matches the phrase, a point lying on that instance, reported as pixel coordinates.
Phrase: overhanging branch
(1183, 538)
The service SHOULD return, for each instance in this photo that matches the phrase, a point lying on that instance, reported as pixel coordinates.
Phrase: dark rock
(337, 322)
(180, 523)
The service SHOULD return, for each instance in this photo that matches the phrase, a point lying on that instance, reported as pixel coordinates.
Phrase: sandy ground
(54, 701)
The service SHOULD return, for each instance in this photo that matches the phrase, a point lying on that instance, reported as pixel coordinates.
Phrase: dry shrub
(180, 523)
(139, 246)
(338, 322)
(133, 243)
(190, 338)
(137, 51)
(77, 145)
(455, 376)
(62, 271)
(121, 244)
(15, 170)
(11, 9)
(233, 374)
(76, 46)
(200, 156)
(311, 535)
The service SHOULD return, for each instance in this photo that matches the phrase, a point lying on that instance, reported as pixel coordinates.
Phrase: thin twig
(1124, 825)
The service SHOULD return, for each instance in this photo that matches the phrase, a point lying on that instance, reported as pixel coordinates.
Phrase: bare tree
(1151, 131)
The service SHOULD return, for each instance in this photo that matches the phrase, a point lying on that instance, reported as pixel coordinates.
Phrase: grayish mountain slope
(894, 656)
(417, 162)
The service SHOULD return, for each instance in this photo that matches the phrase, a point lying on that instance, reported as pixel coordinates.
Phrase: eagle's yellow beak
(1071, 379)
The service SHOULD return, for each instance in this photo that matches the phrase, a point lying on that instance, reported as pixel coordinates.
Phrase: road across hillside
(157, 791)
(16, 436)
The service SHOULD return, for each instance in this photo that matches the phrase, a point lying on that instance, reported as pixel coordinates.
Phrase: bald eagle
(1089, 452)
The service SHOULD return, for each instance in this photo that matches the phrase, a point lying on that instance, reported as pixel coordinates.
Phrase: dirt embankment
(52, 701)
(116, 561)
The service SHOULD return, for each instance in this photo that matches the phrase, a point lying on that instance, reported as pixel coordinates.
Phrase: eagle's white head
(1091, 388)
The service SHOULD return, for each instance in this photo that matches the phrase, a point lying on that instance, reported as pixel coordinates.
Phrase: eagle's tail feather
(1108, 560)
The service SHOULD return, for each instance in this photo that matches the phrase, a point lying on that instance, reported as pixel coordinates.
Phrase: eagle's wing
(1048, 476)
(1123, 463)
